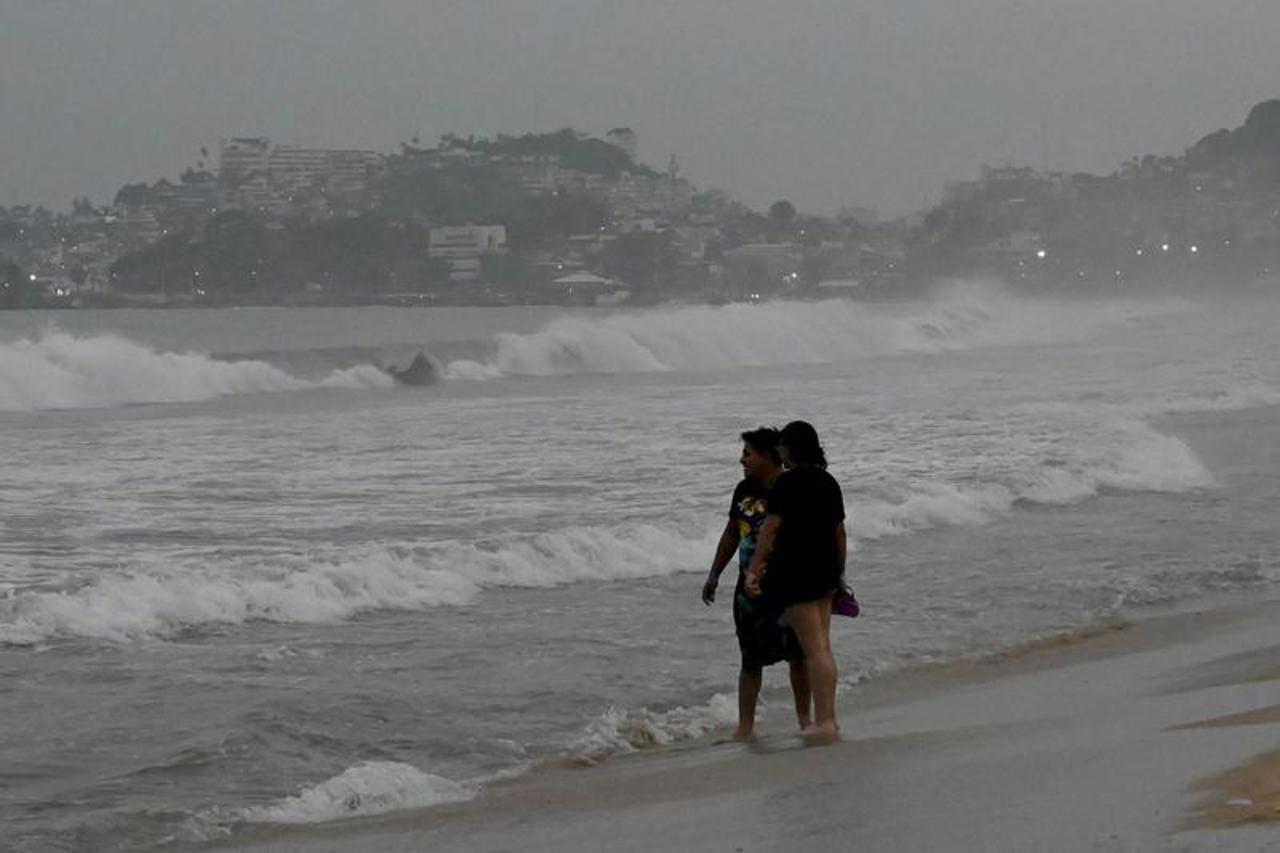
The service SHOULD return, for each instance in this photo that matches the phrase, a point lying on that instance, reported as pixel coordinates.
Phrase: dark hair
(801, 441)
(763, 440)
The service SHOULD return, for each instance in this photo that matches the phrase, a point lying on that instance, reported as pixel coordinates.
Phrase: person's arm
(842, 546)
(724, 552)
(760, 559)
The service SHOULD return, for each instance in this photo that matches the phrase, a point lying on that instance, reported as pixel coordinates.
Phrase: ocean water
(245, 579)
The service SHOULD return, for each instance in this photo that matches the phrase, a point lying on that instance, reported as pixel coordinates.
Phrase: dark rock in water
(419, 372)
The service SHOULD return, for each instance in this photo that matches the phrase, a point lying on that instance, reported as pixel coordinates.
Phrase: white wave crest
(618, 731)
(933, 505)
(1128, 456)
(464, 370)
(160, 602)
(967, 315)
(165, 600)
(360, 376)
(370, 788)
(62, 371)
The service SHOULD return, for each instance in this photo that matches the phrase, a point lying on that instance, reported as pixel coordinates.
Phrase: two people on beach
(786, 522)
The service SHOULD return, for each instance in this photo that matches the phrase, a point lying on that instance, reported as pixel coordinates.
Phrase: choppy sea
(247, 579)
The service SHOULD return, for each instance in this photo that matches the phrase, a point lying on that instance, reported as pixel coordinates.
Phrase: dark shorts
(761, 639)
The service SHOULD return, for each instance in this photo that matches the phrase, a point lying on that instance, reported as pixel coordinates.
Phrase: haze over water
(247, 579)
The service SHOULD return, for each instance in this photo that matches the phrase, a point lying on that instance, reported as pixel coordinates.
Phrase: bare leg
(749, 681)
(812, 627)
(802, 694)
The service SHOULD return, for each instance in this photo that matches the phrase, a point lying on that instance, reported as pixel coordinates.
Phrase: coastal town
(569, 218)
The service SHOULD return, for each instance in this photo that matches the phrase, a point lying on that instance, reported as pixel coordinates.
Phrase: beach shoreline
(1155, 734)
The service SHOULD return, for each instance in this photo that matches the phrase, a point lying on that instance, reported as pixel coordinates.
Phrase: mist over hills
(302, 226)
(1213, 212)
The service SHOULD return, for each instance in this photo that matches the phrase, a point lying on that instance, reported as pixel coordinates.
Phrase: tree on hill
(1257, 139)
(355, 254)
(166, 267)
(16, 288)
(455, 195)
(238, 258)
(539, 220)
(573, 150)
(192, 176)
(1263, 122)
(782, 214)
(419, 189)
(642, 259)
(132, 195)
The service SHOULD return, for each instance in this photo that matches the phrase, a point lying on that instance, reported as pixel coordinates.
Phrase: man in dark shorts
(761, 640)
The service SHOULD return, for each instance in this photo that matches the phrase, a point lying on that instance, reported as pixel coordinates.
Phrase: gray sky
(824, 102)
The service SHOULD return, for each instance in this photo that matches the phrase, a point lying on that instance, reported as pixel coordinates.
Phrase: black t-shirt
(810, 504)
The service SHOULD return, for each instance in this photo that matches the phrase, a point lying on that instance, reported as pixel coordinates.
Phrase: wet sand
(1159, 735)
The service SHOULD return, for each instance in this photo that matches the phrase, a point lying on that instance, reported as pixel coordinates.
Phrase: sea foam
(63, 371)
(1119, 453)
(156, 599)
(619, 731)
(369, 788)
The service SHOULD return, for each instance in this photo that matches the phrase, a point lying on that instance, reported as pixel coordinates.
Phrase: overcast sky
(824, 102)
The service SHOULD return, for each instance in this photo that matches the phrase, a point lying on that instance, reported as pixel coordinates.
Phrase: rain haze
(827, 104)
(572, 426)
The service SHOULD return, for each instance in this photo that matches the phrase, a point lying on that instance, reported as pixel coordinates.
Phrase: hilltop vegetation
(567, 201)
(1212, 212)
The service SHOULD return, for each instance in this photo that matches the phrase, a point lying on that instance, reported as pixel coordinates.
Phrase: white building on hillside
(349, 171)
(292, 166)
(242, 156)
(463, 241)
(464, 245)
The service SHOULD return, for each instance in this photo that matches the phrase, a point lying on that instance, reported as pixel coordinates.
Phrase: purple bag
(844, 604)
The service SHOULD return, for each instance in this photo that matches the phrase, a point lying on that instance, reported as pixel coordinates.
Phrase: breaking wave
(62, 371)
(966, 315)
(618, 731)
(1128, 456)
(166, 600)
(160, 599)
(369, 788)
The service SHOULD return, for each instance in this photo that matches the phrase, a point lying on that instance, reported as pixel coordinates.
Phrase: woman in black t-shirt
(799, 562)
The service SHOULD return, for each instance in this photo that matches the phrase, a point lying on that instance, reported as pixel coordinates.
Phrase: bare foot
(820, 734)
(805, 723)
(744, 735)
